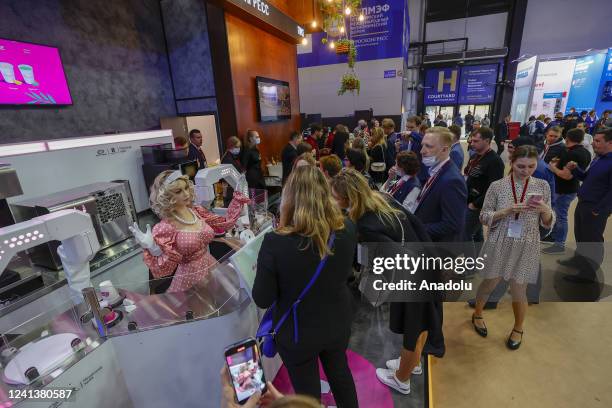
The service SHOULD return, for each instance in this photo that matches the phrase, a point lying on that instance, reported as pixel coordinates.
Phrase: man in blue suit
(441, 203)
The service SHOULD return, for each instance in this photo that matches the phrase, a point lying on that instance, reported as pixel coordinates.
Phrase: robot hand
(77, 274)
(145, 239)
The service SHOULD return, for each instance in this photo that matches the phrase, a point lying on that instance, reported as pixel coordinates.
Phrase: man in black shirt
(566, 186)
(554, 146)
(484, 167)
(289, 154)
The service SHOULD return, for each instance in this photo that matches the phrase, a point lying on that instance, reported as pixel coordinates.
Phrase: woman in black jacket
(287, 261)
(252, 160)
(232, 156)
(378, 220)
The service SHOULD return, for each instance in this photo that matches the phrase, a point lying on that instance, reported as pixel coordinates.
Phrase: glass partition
(157, 303)
(39, 350)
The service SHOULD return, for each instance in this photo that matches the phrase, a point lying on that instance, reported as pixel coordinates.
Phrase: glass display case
(110, 331)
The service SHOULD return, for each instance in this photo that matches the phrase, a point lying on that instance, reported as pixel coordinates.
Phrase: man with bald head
(441, 203)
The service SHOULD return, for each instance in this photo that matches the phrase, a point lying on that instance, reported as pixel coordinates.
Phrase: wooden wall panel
(254, 52)
(299, 10)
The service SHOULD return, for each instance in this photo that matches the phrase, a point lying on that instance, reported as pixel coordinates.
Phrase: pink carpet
(370, 392)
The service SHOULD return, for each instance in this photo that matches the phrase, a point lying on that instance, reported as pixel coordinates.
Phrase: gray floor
(372, 339)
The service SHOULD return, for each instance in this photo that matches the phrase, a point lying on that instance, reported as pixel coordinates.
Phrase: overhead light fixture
(361, 17)
(313, 24)
(342, 29)
(329, 1)
(347, 11)
(332, 45)
(304, 41)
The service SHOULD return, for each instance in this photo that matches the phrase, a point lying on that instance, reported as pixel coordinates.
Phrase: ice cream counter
(153, 350)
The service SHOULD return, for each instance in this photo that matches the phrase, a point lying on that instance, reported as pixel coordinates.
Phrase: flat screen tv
(273, 100)
(32, 74)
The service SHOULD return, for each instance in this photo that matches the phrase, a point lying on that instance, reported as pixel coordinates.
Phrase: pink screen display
(31, 74)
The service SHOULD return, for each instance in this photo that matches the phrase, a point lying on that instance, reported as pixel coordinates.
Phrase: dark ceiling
(438, 10)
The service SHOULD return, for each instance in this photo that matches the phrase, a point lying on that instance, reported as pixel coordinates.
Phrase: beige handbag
(379, 166)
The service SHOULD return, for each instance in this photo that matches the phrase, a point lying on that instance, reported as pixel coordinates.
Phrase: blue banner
(441, 86)
(604, 94)
(477, 84)
(587, 73)
(553, 95)
(378, 36)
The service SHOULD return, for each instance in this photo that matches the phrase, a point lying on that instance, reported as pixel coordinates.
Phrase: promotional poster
(477, 84)
(31, 74)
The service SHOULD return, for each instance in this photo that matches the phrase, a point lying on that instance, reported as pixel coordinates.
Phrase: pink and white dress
(187, 251)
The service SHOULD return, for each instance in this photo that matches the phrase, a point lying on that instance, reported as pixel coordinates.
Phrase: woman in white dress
(514, 209)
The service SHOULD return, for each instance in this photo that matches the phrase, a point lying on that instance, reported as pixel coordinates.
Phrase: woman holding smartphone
(321, 326)
(514, 208)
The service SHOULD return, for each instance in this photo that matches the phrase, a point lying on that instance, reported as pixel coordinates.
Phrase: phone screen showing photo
(246, 371)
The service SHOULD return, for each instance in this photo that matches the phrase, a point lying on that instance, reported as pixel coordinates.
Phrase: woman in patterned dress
(179, 243)
(514, 209)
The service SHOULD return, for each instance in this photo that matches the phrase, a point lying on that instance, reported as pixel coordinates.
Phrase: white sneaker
(388, 378)
(394, 365)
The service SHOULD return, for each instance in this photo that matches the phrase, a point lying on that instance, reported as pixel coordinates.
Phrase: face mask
(257, 140)
(235, 151)
(400, 172)
(429, 161)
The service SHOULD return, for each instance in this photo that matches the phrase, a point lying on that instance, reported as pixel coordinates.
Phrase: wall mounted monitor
(273, 100)
(32, 74)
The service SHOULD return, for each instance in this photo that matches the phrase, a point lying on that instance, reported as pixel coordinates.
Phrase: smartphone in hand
(534, 198)
(244, 364)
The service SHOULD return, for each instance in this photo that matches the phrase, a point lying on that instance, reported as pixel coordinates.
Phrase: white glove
(145, 239)
(77, 274)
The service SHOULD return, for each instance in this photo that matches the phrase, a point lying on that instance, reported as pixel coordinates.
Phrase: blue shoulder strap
(293, 307)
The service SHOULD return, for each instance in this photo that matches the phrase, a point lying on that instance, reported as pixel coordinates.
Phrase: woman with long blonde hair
(312, 232)
(379, 218)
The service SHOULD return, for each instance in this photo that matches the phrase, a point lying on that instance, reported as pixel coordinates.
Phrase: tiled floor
(372, 339)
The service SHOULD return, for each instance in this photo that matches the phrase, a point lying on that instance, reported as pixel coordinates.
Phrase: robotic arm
(75, 231)
(205, 178)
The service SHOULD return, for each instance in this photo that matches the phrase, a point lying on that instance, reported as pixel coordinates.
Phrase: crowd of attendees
(383, 184)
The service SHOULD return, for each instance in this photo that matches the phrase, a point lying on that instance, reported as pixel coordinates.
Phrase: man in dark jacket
(566, 185)
(554, 146)
(502, 134)
(195, 148)
(441, 202)
(483, 168)
(557, 122)
(469, 121)
(289, 154)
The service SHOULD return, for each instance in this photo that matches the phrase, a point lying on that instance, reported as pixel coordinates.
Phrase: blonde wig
(163, 196)
(308, 208)
(353, 187)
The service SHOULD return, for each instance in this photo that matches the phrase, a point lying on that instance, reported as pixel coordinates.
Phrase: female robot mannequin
(178, 244)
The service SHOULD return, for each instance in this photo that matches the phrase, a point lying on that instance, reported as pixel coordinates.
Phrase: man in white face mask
(441, 202)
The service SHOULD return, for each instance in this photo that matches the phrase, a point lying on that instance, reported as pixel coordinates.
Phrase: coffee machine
(160, 157)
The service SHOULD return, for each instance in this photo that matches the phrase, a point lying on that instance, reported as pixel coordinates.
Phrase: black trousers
(588, 231)
(303, 368)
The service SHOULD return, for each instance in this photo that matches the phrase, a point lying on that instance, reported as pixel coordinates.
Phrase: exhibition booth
(547, 84)
(115, 331)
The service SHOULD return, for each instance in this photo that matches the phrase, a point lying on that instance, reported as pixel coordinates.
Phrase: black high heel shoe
(514, 345)
(482, 331)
